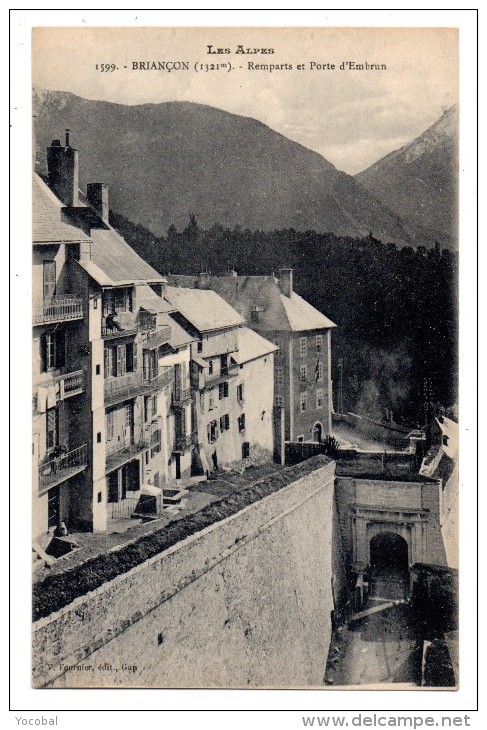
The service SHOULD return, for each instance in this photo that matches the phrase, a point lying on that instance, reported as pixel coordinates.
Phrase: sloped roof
(203, 308)
(302, 316)
(48, 221)
(112, 254)
(251, 346)
(278, 312)
(148, 299)
(179, 336)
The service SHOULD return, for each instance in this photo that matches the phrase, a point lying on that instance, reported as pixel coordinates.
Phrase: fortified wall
(245, 602)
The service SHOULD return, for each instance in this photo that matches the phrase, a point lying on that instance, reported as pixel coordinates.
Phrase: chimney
(97, 194)
(63, 169)
(286, 281)
(203, 280)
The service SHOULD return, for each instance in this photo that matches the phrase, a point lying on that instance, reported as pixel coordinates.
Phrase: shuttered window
(49, 279)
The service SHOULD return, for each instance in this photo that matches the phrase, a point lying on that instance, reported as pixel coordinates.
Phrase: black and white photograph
(245, 358)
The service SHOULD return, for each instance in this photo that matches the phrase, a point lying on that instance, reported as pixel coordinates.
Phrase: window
(319, 371)
(128, 415)
(223, 391)
(302, 346)
(97, 370)
(279, 403)
(245, 450)
(302, 373)
(53, 350)
(210, 367)
(240, 393)
(300, 439)
(224, 364)
(52, 428)
(119, 360)
(110, 424)
(278, 376)
(225, 422)
(150, 364)
(319, 343)
(211, 399)
(150, 407)
(118, 300)
(241, 423)
(319, 398)
(303, 401)
(49, 279)
(212, 430)
(199, 346)
(98, 437)
(155, 442)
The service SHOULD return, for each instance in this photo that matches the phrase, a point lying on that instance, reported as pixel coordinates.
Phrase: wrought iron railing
(62, 467)
(183, 442)
(122, 323)
(134, 384)
(181, 396)
(120, 454)
(58, 308)
(144, 506)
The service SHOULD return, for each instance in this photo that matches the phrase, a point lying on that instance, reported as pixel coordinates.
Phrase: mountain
(419, 182)
(165, 161)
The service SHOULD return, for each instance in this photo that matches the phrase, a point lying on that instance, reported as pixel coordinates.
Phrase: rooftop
(278, 312)
(49, 224)
(251, 346)
(203, 308)
(112, 255)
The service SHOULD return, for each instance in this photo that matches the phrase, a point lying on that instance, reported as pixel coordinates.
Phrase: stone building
(97, 435)
(226, 422)
(302, 364)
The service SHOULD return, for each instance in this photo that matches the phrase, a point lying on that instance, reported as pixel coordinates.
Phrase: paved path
(378, 649)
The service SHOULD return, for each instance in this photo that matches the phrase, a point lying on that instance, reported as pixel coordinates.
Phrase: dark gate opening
(389, 566)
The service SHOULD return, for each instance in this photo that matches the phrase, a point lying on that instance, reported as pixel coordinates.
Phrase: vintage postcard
(245, 357)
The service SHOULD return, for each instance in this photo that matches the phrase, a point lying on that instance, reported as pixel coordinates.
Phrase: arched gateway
(389, 566)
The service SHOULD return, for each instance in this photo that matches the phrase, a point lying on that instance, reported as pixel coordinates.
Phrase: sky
(351, 117)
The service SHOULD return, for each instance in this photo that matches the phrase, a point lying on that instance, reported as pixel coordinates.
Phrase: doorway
(317, 432)
(389, 566)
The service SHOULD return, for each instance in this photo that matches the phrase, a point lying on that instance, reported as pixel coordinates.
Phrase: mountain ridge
(418, 181)
(164, 161)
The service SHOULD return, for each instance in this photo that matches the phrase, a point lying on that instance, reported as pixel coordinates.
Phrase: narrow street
(379, 648)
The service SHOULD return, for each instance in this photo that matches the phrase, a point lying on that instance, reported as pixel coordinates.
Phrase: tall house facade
(302, 363)
(99, 324)
(224, 425)
(61, 389)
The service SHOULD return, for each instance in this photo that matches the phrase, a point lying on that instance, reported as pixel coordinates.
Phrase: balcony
(122, 324)
(133, 384)
(157, 337)
(125, 453)
(181, 397)
(62, 308)
(66, 386)
(183, 443)
(60, 469)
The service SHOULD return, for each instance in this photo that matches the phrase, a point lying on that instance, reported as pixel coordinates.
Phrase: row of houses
(140, 381)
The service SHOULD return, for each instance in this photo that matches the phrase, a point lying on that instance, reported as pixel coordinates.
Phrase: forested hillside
(395, 307)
